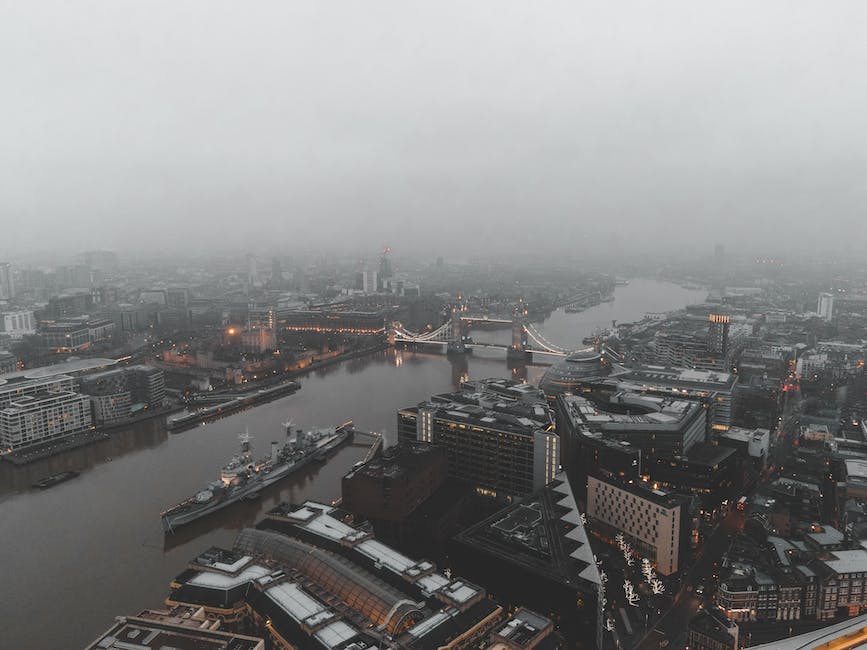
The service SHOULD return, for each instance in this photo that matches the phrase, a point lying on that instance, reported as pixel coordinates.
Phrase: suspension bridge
(527, 341)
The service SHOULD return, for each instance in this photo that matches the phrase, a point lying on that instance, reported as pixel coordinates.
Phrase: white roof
(848, 561)
(297, 604)
(460, 591)
(223, 581)
(232, 568)
(334, 634)
(429, 624)
(379, 552)
(328, 526)
(856, 467)
(433, 582)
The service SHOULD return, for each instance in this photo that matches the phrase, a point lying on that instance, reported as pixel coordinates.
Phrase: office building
(711, 629)
(825, 308)
(389, 488)
(753, 443)
(119, 393)
(600, 380)
(7, 284)
(655, 522)
(714, 474)
(42, 417)
(17, 324)
(19, 386)
(842, 583)
(307, 579)
(656, 425)
(75, 334)
(104, 261)
(69, 305)
(502, 446)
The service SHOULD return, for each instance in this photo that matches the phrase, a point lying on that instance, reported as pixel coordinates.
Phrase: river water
(74, 556)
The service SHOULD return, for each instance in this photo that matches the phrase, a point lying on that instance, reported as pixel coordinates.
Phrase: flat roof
(142, 634)
(847, 561)
(64, 368)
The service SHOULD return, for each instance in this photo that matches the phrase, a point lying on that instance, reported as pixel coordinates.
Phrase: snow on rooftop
(334, 634)
(223, 581)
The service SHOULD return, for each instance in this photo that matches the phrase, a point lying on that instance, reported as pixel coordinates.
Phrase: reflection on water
(93, 547)
(148, 433)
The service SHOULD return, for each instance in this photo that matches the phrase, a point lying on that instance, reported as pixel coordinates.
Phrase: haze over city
(451, 325)
(564, 126)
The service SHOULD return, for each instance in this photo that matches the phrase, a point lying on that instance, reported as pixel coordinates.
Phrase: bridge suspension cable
(541, 341)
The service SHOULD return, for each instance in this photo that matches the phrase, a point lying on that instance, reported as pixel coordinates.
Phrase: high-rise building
(503, 447)
(105, 261)
(385, 267)
(825, 308)
(7, 286)
(718, 334)
(252, 271)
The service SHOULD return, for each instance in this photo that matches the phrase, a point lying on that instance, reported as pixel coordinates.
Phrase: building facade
(499, 453)
(652, 520)
(43, 417)
(17, 324)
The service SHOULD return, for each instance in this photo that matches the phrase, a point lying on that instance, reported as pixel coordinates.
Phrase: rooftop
(142, 634)
(543, 534)
(847, 561)
(65, 368)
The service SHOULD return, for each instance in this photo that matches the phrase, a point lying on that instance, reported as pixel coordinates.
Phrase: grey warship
(243, 476)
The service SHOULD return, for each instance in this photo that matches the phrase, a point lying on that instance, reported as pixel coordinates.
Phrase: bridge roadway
(490, 346)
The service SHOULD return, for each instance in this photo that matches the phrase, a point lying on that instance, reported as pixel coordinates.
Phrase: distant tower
(7, 287)
(719, 252)
(276, 272)
(385, 270)
(252, 272)
(826, 306)
(718, 333)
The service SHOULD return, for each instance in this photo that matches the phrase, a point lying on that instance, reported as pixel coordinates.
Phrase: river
(76, 555)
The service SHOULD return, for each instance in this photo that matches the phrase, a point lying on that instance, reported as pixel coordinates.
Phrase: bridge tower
(456, 343)
(518, 350)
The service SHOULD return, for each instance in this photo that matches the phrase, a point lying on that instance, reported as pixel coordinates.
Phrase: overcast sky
(293, 125)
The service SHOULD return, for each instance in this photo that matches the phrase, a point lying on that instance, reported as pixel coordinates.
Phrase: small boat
(54, 479)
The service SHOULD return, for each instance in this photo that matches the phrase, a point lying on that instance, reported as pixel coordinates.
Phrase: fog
(434, 127)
